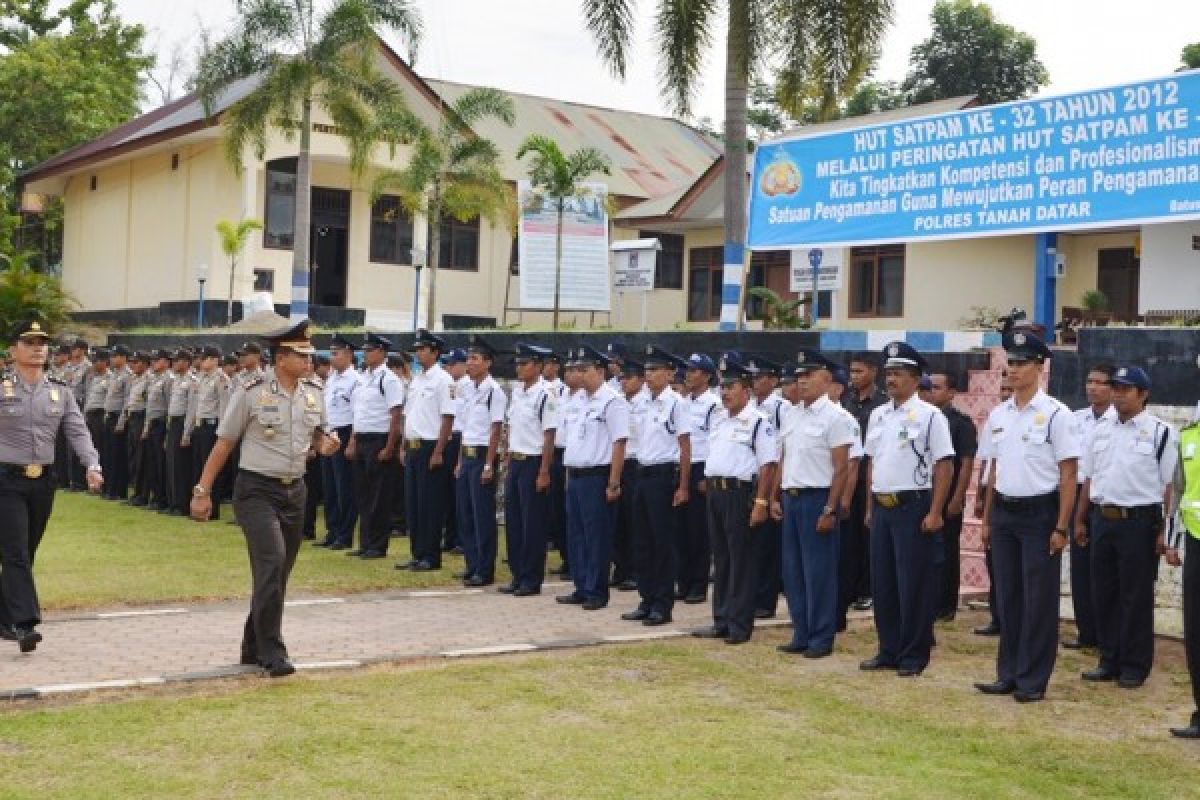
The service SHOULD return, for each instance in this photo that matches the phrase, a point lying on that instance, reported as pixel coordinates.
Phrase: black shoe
(637, 615)
(1098, 675)
(423, 566)
(138, 502)
(1130, 683)
(570, 600)
(323, 543)
(996, 687)
(525, 591)
(763, 613)
(1077, 644)
(249, 661)
(1191, 731)
(863, 604)
(792, 649)
(875, 664)
(446, 548)
(909, 672)
(656, 618)
(461, 575)
(680, 594)
(310, 537)
(991, 629)
(409, 565)
(594, 605)
(627, 585)
(27, 638)
(508, 588)
(371, 555)
(742, 639)
(711, 633)
(339, 546)
(355, 553)
(695, 599)
(946, 616)
(7, 632)
(818, 652)
(1022, 696)
(472, 580)
(457, 550)
(280, 669)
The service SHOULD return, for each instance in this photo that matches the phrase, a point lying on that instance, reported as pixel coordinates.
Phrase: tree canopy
(1191, 56)
(970, 52)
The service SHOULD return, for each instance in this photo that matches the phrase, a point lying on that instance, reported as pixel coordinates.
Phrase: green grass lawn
(100, 553)
(684, 719)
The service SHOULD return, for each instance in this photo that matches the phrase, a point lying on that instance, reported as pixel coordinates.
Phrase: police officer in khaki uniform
(32, 409)
(206, 405)
(278, 421)
(178, 455)
(117, 486)
(154, 432)
(133, 422)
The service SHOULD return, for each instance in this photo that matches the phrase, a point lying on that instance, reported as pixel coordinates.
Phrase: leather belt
(30, 471)
(726, 484)
(800, 492)
(650, 470)
(269, 478)
(474, 451)
(897, 499)
(1030, 503)
(588, 472)
(209, 422)
(520, 456)
(1152, 511)
(415, 444)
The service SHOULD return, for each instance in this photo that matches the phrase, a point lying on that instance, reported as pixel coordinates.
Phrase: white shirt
(460, 390)
(1087, 421)
(739, 446)
(667, 418)
(1028, 444)
(603, 419)
(702, 408)
(1123, 460)
(856, 447)
(339, 396)
(637, 420)
(429, 399)
(773, 406)
(378, 392)
(905, 443)
(809, 435)
(568, 411)
(531, 412)
(483, 406)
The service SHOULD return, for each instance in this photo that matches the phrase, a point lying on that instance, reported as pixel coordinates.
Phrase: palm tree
(302, 61)
(559, 175)
(233, 241)
(452, 171)
(823, 43)
(24, 289)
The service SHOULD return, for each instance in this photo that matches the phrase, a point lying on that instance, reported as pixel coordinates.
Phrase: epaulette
(56, 380)
(255, 382)
(313, 382)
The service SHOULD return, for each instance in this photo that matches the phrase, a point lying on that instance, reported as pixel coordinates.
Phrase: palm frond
(611, 24)
(482, 103)
(587, 161)
(684, 32)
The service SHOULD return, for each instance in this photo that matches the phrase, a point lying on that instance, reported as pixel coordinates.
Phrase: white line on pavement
(149, 612)
(315, 601)
(491, 650)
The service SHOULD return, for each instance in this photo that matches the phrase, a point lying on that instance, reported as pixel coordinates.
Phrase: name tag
(740, 435)
(997, 435)
(1144, 447)
(1035, 435)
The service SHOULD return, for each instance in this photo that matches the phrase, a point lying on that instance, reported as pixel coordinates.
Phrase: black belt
(209, 422)
(726, 484)
(416, 444)
(588, 472)
(897, 499)
(137, 413)
(1034, 502)
(800, 492)
(522, 456)
(650, 470)
(475, 451)
(370, 437)
(1151, 511)
(30, 471)
(269, 478)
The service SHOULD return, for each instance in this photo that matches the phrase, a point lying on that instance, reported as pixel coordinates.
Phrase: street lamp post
(418, 259)
(201, 277)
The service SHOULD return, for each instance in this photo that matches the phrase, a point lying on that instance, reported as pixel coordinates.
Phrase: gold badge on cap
(35, 326)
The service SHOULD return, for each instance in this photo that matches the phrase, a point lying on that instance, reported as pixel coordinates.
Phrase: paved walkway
(85, 651)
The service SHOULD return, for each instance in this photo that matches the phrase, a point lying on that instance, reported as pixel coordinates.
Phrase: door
(330, 243)
(1117, 277)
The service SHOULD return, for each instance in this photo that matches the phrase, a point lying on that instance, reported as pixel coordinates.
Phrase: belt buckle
(413, 444)
(287, 481)
(470, 452)
(1112, 512)
(517, 456)
(33, 471)
(889, 500)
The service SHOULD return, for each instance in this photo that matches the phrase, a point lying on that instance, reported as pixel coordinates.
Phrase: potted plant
(1095, 307)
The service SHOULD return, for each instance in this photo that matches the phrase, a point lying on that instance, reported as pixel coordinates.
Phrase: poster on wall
(826, 261)
(585, 284)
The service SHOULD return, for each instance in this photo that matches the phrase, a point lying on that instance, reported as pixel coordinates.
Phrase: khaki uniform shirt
(158, 388)
(30, 418)
(97, 391)
(208, 400)
(181, 390)
(118, 390)
(275, 427)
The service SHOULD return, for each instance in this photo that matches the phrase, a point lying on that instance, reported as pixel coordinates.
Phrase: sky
(540, 46)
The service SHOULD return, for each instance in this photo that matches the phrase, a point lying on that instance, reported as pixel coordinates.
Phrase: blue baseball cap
(1131, 376)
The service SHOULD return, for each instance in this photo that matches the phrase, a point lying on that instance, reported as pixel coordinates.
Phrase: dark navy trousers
(341, 509)
(1124, 566)
(1027, 589)
(810, 569)
(770, 567)
(526, 519)
(902, 580)
(425, 498)
(656, 521)
(1082, 597)
(591, 521)
(693, 551)
(476, 517)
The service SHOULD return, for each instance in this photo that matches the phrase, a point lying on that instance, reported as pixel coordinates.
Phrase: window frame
(875, 255)
(455, 224)
(378, 217)
(673, 246)
(716, 277)
(280, 166)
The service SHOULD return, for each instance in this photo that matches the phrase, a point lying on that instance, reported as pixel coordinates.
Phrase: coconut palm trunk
(736, 89)
(558, 253)
(435, 251)
(302, 241)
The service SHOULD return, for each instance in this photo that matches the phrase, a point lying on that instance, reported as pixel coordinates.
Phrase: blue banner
(1125, 155)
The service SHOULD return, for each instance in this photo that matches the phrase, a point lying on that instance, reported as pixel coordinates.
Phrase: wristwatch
(1061, 531)
(758, 501)
(826, 511)
(199, 491)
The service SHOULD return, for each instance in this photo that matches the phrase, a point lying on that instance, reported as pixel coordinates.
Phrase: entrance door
(330, 243)
(1119, 271)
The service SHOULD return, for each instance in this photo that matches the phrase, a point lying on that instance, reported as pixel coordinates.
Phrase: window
(668, 266)
(514, 257)
(280, 229)
(705, 270)
(877, 281)
(391, 232)
(264, 280)
(460, 244)
(772, 269)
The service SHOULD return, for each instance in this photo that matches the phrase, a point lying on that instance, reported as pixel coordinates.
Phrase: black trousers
(770, 566)
(525, 522)
(62, 460)
(558, 506)
(1027, 590)
(949, 567)
(204, 438)
(1082, 598)
(450, 538)
(370, 491)
(902, 583)
(25, 506)
(179, 467)
(735, 557)
(655, 531)
(854, 558)
(116, 475)
(95, 426)
(1191, 615)
(271, 516)
(315, 494)
(693, 553)
(425, 491)
(624, 563)
(395, 490)
(135, 454)
(154, 464)
(1124, 565)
